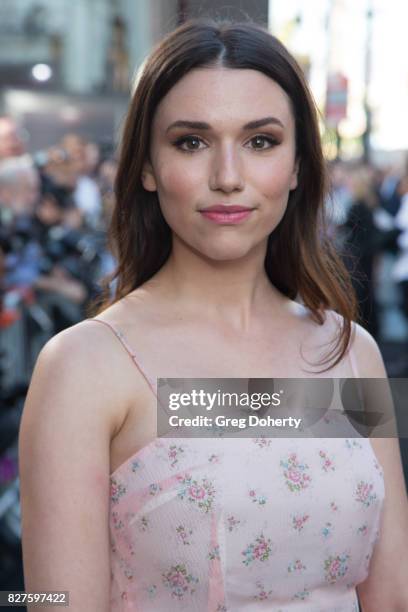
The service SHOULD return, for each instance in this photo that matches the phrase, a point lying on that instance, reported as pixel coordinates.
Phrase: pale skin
(209, 312)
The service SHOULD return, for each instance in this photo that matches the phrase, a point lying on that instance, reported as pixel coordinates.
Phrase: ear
(148, 178)
(294, 178)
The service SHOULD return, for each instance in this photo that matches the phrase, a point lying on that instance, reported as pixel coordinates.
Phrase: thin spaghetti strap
(130, 351)
(353, 362)
(351, 352)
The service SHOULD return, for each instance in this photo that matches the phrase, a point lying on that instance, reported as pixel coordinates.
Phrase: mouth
(226, 215)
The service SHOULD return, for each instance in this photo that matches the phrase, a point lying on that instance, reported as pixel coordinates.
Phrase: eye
(189, 143)
(261, 142)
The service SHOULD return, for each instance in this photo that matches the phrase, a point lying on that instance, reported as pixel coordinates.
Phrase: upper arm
(64, 441)
(367, 354)
(386, 587)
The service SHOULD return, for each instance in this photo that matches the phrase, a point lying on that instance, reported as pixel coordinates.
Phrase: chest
(290, 353)
(301, 513)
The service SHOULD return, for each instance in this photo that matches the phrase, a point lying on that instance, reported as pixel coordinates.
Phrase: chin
(224, 253)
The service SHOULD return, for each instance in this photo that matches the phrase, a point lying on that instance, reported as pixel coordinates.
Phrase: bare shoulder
(75, 402)
(367, 353)
(84, 366)
(363, 346)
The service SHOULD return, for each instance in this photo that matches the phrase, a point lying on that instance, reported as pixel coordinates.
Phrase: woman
(221, 118)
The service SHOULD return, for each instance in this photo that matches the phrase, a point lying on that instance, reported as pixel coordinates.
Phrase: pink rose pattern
(333, 523)
(174, 454)
(295, 473)
(198, 493)
(184, 534)
(232, 523)
(336, 567)
(365, 493)
(298, 522)
(117, 522)
(296, 566)
(117, 491)
(259, 550)
(179, 581)
(327, 463)
(262, 442)
(262, 594)
(257, 498)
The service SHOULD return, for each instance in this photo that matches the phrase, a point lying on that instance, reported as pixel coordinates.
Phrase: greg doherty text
(251, 420)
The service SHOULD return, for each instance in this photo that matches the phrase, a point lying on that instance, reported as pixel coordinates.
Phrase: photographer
(19, 191)
(68, 258)
(47, 249)
(71, 164)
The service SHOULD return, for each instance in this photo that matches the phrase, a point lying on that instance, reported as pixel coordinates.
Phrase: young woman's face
(223, 138)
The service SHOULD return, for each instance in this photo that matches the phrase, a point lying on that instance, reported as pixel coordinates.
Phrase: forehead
(216, 94)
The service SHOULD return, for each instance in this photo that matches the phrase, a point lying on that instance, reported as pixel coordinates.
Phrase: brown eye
(189, 143)
(260, 142)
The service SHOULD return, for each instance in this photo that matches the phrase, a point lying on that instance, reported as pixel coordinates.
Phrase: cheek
(178, 185)
(273, 180)
(177, 179)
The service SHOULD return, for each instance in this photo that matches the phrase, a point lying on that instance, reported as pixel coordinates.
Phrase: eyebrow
(201, 125)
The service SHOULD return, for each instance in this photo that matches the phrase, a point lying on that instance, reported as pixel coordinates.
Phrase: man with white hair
(19, 192)
(11, 143)
(19, 187)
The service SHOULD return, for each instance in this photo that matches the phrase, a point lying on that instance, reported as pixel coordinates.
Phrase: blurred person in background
(45, 244)
(363, 240)
(65, 280)
(400, 271)
(106, 179)
(389, 190)
(339, 192)
(19, 192)
(83, 157)
(11, 142)
(338, 200)
(19, 187)
(62, 167)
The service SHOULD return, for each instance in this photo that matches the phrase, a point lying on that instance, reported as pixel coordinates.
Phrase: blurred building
(87, 51)
(364, 42)
(67, 65)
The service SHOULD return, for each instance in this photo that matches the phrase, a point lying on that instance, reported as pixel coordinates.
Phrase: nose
(226, 171)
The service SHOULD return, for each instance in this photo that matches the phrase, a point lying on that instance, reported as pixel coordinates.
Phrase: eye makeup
(192, 142)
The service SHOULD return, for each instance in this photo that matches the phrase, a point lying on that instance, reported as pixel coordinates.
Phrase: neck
(229, 293)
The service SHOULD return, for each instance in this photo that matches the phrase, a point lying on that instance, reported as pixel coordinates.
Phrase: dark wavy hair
(300, 261)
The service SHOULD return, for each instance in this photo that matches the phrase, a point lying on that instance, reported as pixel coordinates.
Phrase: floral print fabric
(223, 525)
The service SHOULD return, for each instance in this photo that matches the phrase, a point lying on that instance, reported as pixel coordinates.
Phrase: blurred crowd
(368, 220)
(55, 207)
(54, 210)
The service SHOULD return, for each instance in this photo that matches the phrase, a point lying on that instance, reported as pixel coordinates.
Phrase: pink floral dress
(251, 524)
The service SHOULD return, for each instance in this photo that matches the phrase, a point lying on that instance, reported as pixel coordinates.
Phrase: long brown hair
(299, 260)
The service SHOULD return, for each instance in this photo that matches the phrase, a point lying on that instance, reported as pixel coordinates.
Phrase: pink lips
(226, 215)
